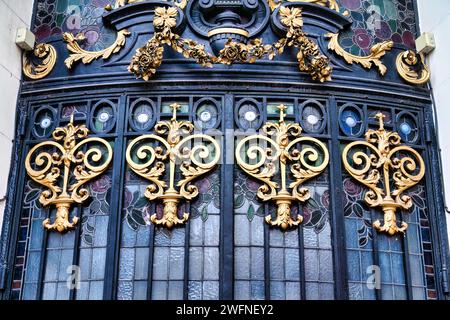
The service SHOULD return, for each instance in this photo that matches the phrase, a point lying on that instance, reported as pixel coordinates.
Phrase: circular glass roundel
(142, 118)
(351, 121)
(313, 119)
(206, 115)
(248, 116)
(142, 115)
(407, 128)
(103, 117)
(44, 122)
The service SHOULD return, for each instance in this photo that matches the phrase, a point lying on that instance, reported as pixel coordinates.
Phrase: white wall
(434, 16)
(13, 14)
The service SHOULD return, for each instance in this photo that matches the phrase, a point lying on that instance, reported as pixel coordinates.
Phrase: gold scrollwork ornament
(387, 169)
(411, 69)
(376, 53)
(47, 54)
(194, 155)
(87, 57)
(260, 157)
(66, 169)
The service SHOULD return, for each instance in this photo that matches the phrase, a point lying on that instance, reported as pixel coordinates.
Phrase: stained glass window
(374, 21)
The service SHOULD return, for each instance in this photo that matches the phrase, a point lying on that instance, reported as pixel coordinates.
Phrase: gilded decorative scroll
(87, 57)
(387, 169)
(376, 53)
(64, 167)
(47, 54)
(194, 155)
(411, 69)
(148, 58)
(263, 156)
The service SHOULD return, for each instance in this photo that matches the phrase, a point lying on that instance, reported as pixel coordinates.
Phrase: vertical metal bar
(114, 228)
(267, 277)
(337, 214)
(12, 212)
(301, 256)
(407, 263)
(227, 202)
(76, 248)
(376, 254)
(301, 241)
(186, 256)
(150, 258)
(42, 263)
(436, 212)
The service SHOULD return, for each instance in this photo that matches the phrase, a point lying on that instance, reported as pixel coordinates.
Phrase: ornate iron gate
(226, 249)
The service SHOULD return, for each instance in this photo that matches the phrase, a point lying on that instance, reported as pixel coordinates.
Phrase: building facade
(250, 149)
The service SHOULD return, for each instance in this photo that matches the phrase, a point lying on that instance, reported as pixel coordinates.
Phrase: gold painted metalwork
(47, 54)
(387, 169)
(77, 162)
(148, 58)
(331, 4)
(121, 3)
(411, 69)
(376, 53)
(87, 57)
(261, 156)
(192, 159)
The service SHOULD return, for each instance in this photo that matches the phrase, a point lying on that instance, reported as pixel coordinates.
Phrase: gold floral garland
(149, 57)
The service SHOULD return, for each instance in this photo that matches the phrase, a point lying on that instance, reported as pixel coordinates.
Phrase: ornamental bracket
(413, 68)
(47, 54)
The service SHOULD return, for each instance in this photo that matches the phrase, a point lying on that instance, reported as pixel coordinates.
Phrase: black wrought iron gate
(226, 250)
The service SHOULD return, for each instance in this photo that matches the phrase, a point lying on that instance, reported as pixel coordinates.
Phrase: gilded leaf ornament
(46, 53)
(264, 156)
(87, 57)
(64, 166)
(151, 156)
(387, 169)
(374, 59)
(331, 4)
(148, 58)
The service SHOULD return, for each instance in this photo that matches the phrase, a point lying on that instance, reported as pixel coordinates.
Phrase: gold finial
(282, 108)
(71, 118)
(380, 116)
(175, 107)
